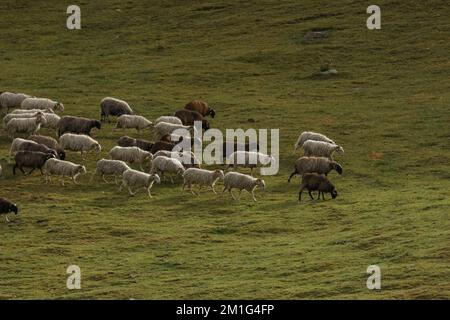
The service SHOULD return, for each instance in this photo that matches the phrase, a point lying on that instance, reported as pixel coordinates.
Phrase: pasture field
(389, 107)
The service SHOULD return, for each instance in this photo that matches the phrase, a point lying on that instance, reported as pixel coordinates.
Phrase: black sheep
(316, 182)
(7, 207)
(77, 125)
(31, 159)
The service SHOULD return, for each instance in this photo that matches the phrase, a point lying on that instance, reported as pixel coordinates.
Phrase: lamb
(248, 159)
(309, 135)
(164, 128)
(320, 165)
(55, 167)
(6, 207)
(30, 159)
(49, 142)
(201, 177)
(163, 164)
(113, 107)
(162, 145)
(77, 125)
(25, 125)
(131, 155)
(127, 121)
(41, 103)
(79, 142)
(188, 117)
(168, 119)
(236, 180)
(187, 158)
(110, 167)
(11, 100)
(133, 178)
(127, 141)
(201, 107)
(19, 111)
(316, 182)
(321, 149)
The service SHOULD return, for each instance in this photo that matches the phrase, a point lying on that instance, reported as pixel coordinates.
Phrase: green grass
(388, 107)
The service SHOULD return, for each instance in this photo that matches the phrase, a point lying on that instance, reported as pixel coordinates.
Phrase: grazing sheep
(164, 128)
(162, 145)
(316, 182)
(320, 165)
(201, 177)
(113, 107)
(187, 158)
(309, 135)
(188, 117)
(321, 149)
(51, 121)
(230, 146)
(127, 141)
(19, 111)
(41, 103)
(36, 147)
(127, 121)
(10, 116)
(79, 143)
(11, 100)
(163, 164)
(248, 159)
(49, 142)
(201, 107)
(77, 125)
(168, 119)
(175, 138)
(133, 178)
(6, 207)
(236, 180)
(15, 145)
(131, 155)
(24, 125)
(55, 167)
(31, 159)
(110, 167)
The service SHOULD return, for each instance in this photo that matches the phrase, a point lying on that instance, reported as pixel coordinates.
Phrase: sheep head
(81, 169)
(212, 112)
(218, 174)
(337, 167)
(13, 208)
(154, 178)
(339, 149)
(260, 183)
(333, 193)
(97, 124)
(59, 106)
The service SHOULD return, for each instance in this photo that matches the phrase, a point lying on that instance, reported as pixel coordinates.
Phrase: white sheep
(127, 121)
(18, 111)
(79, 143)
(201, 177)
(164, 128)
(168, 119)
(249, 159)
(187, 158)
(12, 100)
(236, 180)
(41, 103)
(15, 145)
(55, 167)
(163, 164)
(25, 125)
(133, 178)
(52, 121)
(131, 155)
(10, 116)
(115, 168)
(309, 135)
(321, 149)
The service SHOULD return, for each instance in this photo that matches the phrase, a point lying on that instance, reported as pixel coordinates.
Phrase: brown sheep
(127, 141)
(319, 165)
(201, 107)
(162, 145)
(30, 159)
(188, 117)
(36, 147)
(6, 207)
(316, 182)
(77, 125)
(49, 142)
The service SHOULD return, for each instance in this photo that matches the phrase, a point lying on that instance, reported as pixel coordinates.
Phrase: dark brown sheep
(188, 117)
(77, 125)
(127, 141)
(162, 145)
(113, 107)
(30, 159)
(316, 182)
(37, 147)
(6, 207)
(49, 142)
(201, 107)
(320, 165)
(230, 146)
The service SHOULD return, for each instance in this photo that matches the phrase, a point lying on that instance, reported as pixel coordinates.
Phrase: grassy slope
(390, 101)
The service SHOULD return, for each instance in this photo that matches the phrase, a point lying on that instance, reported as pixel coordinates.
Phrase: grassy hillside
(388, 107)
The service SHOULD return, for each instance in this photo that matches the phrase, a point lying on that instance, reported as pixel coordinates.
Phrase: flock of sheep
(154, 159)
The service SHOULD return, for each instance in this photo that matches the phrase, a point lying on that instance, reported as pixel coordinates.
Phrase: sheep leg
(62, 181)
(300, 194)
(6, 218)
(292, 174)
(171, 179)
(309, 192)
(104, 179)
(21, 169)
(74, 178)
(92, 176)
(232, 195)
(253, 195)
(323, 195)
(131, 192)
(149, 193)
(30, 171)
(122, 185)
(212, 186)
